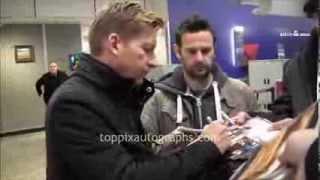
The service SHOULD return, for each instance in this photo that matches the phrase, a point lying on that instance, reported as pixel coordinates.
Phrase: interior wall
(62, 40)
(1, 58)
(21, 108)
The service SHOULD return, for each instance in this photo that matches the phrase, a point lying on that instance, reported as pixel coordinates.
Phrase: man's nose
(152, 63)
(199, 56)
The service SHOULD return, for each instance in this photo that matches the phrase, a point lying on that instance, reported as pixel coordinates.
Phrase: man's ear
(177, 51)
(113, 43)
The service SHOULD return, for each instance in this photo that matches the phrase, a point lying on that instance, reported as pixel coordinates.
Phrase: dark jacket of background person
(96, 101)
(312, 161)
(300, 75)
(50, 83)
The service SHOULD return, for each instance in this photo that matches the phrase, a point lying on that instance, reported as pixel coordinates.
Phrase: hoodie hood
(175, 83)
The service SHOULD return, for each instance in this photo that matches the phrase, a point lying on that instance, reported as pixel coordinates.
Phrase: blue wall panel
(224, 14)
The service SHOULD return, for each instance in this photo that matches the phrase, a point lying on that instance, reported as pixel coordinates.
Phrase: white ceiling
(63, 11)
(78, 11)
(277, 7)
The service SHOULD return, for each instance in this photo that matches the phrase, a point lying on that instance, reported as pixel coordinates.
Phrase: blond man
(93, 125)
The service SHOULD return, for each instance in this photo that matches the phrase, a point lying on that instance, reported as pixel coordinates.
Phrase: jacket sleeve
(64, 76)
(239, 96)
(75, 131)
(250, 98)
(286, 75)
(150, 115)
(39, 83)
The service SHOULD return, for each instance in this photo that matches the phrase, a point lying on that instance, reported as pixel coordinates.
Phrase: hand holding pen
(227, 120)
(241, 118)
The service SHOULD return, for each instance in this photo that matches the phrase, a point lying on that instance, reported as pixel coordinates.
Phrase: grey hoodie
(172, 105)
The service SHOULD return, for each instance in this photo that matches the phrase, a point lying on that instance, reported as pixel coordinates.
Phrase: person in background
(300, 73)
(93, 120)
(302, 148)
(50, 81)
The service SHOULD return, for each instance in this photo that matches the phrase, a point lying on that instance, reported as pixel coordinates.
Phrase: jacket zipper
(199, 104)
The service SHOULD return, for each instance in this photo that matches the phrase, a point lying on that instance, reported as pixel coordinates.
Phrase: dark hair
(193, 24)
(311, 8)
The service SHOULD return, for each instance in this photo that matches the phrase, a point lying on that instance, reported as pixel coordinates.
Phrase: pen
(226, 117)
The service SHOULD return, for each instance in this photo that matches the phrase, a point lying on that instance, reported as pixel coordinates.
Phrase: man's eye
(192, 51)
(206, 51)
(148, 50)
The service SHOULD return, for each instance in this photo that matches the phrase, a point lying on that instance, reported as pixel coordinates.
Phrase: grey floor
(23, 157)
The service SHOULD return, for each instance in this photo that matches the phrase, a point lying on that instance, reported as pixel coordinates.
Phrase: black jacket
(96, 102)
(300, 75)
(50, 83)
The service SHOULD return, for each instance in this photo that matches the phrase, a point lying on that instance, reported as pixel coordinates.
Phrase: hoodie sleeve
(151, 114)
(239, 96)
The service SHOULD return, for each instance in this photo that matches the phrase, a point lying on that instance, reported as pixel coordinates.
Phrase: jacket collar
(101, 74)
(106, 78)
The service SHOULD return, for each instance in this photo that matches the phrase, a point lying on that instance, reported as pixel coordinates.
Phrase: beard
(200, 71)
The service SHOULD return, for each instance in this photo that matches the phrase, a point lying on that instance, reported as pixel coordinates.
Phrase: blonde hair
(126, 18)
(269, 152)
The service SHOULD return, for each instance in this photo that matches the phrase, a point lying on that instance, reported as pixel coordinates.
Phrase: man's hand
(297, 146)
(219, 134)
(241, 117)
(282, 124)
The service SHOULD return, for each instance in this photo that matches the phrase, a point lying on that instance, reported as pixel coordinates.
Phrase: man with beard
(186, 97)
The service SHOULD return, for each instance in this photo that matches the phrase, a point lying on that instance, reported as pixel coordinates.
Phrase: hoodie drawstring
(179, 109)
(217, 100)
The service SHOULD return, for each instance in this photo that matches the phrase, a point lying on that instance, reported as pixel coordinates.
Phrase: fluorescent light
(234, 29)
(233, 58)
(238, 28)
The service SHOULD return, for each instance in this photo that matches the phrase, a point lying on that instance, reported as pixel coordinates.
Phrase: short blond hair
(126, 18)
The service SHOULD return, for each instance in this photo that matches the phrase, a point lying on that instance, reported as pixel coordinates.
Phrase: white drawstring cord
(179, 109)
(217, 100)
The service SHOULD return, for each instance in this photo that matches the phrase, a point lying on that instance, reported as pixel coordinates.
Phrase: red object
(280, 88)
(251, 51)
